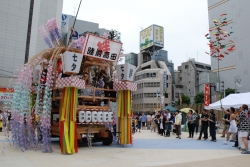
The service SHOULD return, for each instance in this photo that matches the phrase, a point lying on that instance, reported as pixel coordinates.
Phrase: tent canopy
(171, 109)
(232, 100)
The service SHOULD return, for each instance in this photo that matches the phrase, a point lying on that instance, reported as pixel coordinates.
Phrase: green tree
(229, 91)
(199, 98)
(185, 100)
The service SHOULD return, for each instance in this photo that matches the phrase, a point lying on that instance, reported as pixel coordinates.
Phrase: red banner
(206, 94)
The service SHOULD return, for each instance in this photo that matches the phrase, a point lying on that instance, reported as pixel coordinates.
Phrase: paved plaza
(148, 149)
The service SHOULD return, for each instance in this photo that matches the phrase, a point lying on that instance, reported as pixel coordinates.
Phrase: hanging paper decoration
(218, 43)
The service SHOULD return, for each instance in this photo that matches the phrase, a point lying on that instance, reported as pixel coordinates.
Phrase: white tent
(232, 100)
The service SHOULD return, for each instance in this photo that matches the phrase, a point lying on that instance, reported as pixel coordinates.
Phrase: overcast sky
(185, 23)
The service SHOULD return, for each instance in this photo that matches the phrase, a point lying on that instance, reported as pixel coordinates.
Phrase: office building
(131, 58)
(234, 68)
(187, 78)
(20, 38)
(162, 55)
(152, 77)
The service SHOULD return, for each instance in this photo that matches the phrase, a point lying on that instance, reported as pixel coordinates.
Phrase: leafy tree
(199, 98)
(115, 36)
(229, 91)
(185, 100)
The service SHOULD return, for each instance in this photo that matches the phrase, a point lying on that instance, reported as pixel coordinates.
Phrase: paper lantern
(88, 117)
(94, 116)
(125, 72)
(110, 116)
(71, 62)
(105, 116)
(99, 116)
(81, 116)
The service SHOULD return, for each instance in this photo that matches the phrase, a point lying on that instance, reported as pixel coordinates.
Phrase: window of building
(154, 75)
(166, 95)
(167, 77)
(152, 84)
(186, 66)
(167, 85)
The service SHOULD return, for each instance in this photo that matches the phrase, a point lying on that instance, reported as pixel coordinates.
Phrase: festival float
(76, 92)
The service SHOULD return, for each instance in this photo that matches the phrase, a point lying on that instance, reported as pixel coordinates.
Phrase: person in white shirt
(178, 119)
(149, 121)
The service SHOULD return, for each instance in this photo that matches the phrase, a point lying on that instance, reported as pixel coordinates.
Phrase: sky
(185, 23)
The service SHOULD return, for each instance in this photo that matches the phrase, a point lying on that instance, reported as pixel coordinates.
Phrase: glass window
(152, 84)
(166, 95)
(154, 74)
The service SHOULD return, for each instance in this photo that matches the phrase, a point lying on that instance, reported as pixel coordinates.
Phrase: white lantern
(125, 72)
(105, 116)
(71, 62)
(99, 116)
(81, 116)
(110, 116)
(88, 117)
(94, 116)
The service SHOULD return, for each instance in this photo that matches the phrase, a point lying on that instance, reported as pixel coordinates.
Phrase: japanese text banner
(101, 48)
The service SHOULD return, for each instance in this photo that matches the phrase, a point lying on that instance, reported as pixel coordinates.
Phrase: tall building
(187, 78)
(234, 68)
(152, 77)
(162, 55)
(131, 58)
(20, 39)
(81, 26)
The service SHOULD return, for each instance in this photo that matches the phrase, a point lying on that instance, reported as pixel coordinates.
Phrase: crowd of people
(236, 123)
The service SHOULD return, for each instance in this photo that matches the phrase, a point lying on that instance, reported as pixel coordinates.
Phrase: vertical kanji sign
(71, 62)
(125, 72)
(101, 48)
(206, 95)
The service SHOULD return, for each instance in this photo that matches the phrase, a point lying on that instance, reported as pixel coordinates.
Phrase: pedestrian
(1, 120)
(190, 120)
(226, 124)
(196, 121)
(143, 120)
(236, 143)
(161, 122)
(178, 119)
(168, 123)
(154, 124)
(244, 127)
(138, 120)
(212, 126)
(204, 125)
(149, 120)
(232, 128)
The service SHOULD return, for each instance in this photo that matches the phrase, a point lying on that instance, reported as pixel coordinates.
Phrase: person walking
(232, 128)
(154, 122)
(196, 121)
(1, 120)
(212, 127)
(149, 121)
(143, 120)
(190, 120)
(138, 120)
(204, 125)
(178, 119)
(226, 124)
(236, 143)
(244, 127)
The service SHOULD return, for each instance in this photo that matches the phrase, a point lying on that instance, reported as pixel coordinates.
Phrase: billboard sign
(152, 36)
(165, 81)
(101, 48)
(206, 94)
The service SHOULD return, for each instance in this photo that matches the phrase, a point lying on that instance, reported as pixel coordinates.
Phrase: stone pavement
(148, 149)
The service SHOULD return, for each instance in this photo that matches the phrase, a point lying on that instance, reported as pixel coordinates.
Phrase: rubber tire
(109, 140)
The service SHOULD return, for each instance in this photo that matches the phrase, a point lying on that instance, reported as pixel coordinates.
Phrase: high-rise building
(162, 55)
(234, 68)
(187, 78)
(19, 35)
(131, 58)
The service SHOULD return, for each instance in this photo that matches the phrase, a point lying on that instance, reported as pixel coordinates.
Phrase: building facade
(162, 55)
(152, 78)
(20, 38)
(131, 58)
(234, 68)
(81, 26)
(187, 78)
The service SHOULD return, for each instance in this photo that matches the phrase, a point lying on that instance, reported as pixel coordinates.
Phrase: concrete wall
(238, 61)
